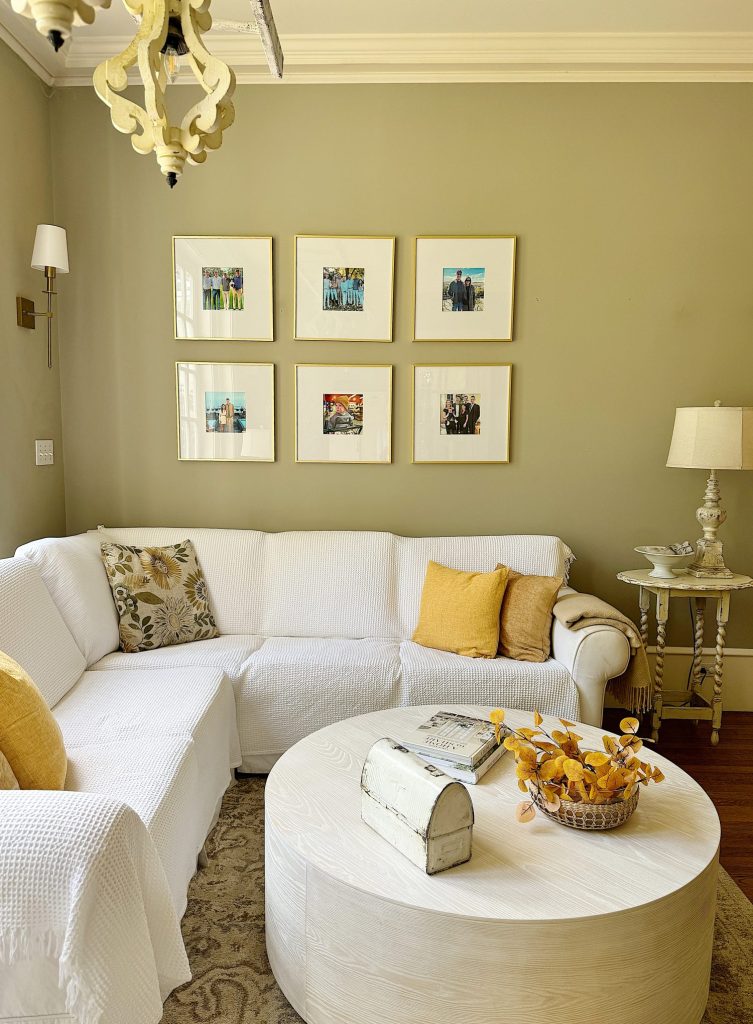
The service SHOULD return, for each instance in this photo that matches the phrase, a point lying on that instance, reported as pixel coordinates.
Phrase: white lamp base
(709, 560)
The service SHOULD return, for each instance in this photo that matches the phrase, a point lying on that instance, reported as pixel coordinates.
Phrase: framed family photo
(473, 275)
(343, 413)
(461, 412)
(226, 412)
(343, 288)
(222, 288)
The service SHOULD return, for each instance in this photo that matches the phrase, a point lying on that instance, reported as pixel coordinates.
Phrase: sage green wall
(32, 497)
(633, 205)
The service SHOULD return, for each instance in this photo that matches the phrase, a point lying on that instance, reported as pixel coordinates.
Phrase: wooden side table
(686, 703)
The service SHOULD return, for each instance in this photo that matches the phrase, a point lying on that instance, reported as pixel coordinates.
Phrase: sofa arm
(592, 656)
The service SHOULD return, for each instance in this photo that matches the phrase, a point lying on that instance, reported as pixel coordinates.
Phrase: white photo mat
(496, 256)
(208, 430)
(490, 384)
(370, 322)
(192, 255)
(371, 388)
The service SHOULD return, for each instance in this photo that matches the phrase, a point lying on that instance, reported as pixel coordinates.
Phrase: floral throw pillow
(160, 595)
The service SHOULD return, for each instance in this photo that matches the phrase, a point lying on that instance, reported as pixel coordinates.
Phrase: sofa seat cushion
(158, 777)
(229, 653)
(134, 706)
(435, 677)
(295, 685)
(33, 633)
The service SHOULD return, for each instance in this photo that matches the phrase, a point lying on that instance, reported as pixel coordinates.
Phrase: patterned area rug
(224, 932)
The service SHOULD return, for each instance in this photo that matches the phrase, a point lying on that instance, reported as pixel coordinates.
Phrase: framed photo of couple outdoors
(343, 413)
(343, 288)
(222, 288)
(472, 275)
(226, 412)
(461, 412)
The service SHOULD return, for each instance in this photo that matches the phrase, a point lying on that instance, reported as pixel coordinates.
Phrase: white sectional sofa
(315, 627)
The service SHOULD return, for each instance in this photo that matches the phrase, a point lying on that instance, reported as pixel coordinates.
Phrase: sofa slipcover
(33, 633)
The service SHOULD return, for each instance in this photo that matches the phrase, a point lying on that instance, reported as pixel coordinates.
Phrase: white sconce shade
(50, 248)
(712, 437)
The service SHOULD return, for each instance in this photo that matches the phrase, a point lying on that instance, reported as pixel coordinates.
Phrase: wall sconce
(50, 255)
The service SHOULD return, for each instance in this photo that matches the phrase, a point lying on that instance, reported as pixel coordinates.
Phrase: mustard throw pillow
(460, 611)
(526, 620)
(30, 738)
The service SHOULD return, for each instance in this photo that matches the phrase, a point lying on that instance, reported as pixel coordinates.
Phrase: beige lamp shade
(50, 248)
(712, 437)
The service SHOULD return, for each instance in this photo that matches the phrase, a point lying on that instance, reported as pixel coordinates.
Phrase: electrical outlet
(45, 454)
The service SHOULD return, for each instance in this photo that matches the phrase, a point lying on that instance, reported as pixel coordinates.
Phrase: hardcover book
(458, 739)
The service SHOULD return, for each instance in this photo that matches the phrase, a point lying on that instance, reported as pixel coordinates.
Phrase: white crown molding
(441, 57)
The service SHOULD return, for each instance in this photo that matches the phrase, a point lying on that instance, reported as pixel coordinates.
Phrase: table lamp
(711, 438)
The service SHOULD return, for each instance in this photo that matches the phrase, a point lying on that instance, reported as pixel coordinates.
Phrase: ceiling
(443, 40)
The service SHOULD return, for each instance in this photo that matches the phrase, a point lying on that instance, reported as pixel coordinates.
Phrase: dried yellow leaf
(525, 811)
(629, 725)
(596, 758)
(549, 769)
(522, 786)
(537, 719)
(497, 716)
(510, 742)
(573, 769)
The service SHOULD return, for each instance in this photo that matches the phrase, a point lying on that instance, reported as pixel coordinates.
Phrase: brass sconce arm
(26, 314)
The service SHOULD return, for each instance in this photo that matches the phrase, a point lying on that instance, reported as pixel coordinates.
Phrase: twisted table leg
(700, 622)
(662, 614)
(722, 617)
(643, 602)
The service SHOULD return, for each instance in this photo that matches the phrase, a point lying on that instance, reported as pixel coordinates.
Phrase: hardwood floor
(726, 774)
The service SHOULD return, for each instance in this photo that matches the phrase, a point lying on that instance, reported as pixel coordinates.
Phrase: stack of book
(463, 747)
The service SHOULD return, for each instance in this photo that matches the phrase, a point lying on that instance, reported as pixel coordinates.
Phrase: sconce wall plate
(25, 313)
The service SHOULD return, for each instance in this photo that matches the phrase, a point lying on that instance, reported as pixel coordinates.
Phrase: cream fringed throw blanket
(81, 883)
(633, 688)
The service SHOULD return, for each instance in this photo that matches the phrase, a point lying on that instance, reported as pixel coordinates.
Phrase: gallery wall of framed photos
(343, 292)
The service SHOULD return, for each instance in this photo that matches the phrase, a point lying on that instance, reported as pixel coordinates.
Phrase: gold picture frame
(344, 366)
(507, 398)
(390, 306)
(182, 420)
(269, 312)
(464, 335)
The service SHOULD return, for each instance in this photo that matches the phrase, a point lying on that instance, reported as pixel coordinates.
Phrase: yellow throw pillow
(460, 611)
(30, 737)
(526, 622)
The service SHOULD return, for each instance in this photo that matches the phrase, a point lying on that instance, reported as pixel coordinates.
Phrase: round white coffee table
(543, 923)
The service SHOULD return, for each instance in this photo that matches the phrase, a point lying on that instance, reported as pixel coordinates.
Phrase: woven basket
(590, 817)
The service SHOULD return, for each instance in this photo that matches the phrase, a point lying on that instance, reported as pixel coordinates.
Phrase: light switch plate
(45, 453)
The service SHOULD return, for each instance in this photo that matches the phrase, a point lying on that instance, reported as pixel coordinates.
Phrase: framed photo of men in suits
(473, 275)
(461, 412)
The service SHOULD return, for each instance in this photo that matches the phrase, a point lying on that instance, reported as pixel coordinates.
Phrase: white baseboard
(737, 693)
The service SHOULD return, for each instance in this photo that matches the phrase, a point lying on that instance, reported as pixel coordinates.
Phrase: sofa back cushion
(329, 584)
(33, 633)
(72, 570)
(232, 562)
(545, 556)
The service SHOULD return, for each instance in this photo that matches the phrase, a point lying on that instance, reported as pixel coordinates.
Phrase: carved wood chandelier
(167, 31)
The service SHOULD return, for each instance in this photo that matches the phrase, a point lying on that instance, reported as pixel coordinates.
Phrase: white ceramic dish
(666, 564)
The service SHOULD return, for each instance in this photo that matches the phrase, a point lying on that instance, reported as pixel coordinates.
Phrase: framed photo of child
(222, 288)
(343, 413)
(473, 275)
